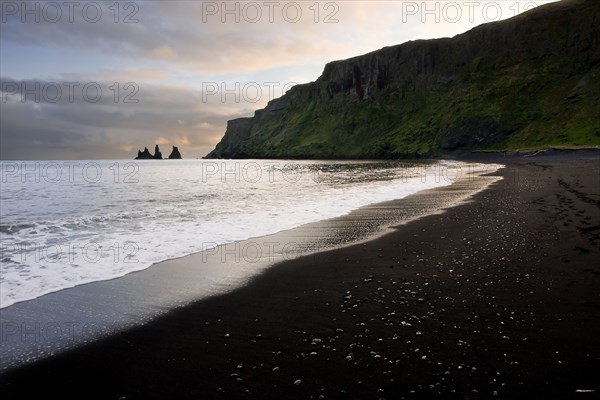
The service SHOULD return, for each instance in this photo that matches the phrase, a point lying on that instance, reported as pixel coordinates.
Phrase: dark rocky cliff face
(528, 82)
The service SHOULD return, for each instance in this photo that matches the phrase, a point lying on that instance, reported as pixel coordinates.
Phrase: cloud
(186, 34)
(182, 140)
(40, 125)
(125, 148)
(204, 125)
(163, 52)
(150, 75)
(161, 140)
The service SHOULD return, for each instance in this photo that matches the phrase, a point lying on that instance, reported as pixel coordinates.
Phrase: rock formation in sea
(528, 82)
(175, 154)
(145, 155)
(157, 153)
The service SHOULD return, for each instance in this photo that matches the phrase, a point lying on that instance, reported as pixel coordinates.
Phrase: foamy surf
(69, 223)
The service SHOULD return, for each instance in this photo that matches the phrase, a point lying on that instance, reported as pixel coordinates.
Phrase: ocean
(67, 223)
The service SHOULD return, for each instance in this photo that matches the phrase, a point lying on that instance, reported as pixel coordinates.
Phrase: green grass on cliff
(513, 92)
(536, 111)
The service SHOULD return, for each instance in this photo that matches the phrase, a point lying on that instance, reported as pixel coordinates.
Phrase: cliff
(525, 83)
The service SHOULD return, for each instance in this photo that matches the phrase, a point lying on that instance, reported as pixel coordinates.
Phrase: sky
(100, 80)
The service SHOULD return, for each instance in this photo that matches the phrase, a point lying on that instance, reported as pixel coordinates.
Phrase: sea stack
(175, 154)
(144, 155)
(157, 153)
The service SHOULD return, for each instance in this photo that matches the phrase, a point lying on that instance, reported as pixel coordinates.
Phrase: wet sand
(499, 297)
(62, 320)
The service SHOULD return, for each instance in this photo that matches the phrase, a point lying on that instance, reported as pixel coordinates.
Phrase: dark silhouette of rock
(144, 155)
(157, 153)
(175, 154)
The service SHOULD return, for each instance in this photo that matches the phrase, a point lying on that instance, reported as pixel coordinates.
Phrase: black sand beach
(498, 298)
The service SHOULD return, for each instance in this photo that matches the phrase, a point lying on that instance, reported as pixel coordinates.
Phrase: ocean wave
(94, 235)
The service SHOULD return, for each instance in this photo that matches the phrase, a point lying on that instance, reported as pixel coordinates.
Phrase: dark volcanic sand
(498, 297)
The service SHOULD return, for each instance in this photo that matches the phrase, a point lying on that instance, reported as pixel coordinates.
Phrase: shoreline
(268, 233)
(499, 295)
(56, 322)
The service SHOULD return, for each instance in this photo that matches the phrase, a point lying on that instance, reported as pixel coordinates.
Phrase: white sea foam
(64, 224)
